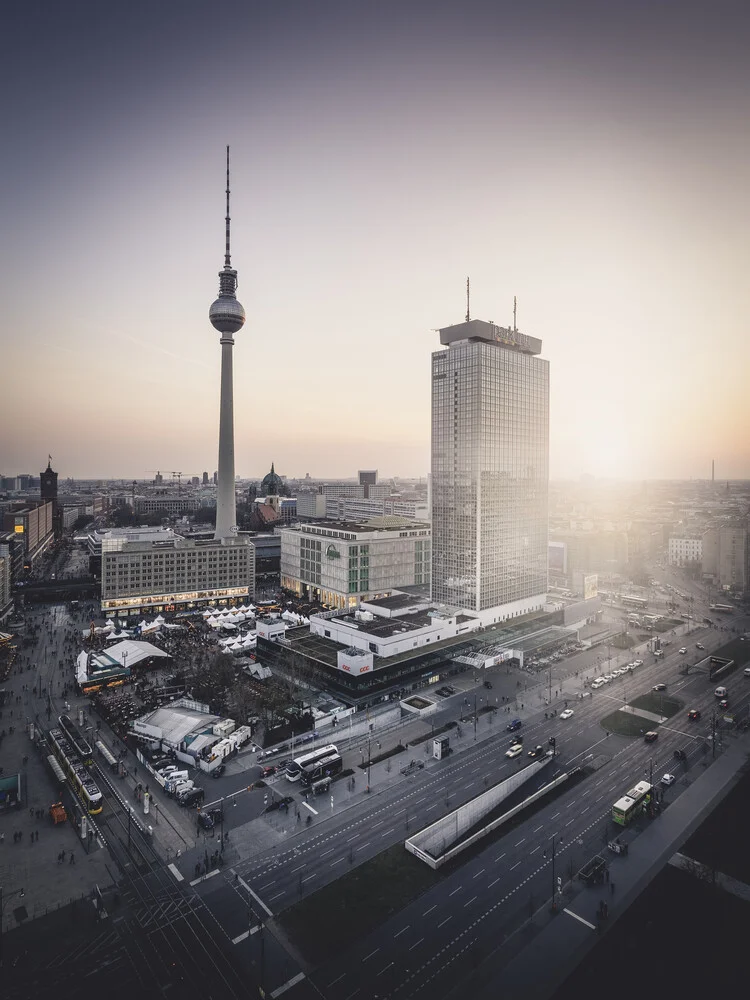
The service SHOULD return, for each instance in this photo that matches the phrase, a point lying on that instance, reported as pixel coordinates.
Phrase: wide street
(426, 944)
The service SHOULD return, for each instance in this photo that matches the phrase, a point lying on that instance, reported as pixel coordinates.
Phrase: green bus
(633, 803)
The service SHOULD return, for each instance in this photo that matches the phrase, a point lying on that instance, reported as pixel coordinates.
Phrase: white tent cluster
(238, 644)
(229, 618)
(112, 631)
(294, 619)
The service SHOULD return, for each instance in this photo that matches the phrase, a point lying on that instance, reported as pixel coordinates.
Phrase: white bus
(294, 767)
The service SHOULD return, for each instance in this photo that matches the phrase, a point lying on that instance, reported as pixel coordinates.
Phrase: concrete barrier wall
(439, 861)
(433, 841)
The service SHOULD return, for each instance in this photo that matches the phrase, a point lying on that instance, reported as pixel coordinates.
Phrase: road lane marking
(445, 921)
(241, 937)
(539, 828)
(298, 869)
(177, 873)
(478, 873)
(537, 848)
(363, 846)
(520, 842)
(401, 931)
(470, 901)
(307, 879)
(430, 910)
(499, 858)
(371, 954)
(416, 943)
(576, 917)
(455, 891)
(308, 806)
(385, 969)
(515, 865)
(288, 985)
(335, 863)
(386, 832)
(492, 883)
(336, 981)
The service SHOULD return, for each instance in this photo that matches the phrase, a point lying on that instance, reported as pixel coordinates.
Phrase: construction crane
(175, 475)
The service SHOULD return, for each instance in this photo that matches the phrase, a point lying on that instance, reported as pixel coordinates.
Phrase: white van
(720, 692)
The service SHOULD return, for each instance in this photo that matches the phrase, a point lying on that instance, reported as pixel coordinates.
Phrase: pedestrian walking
(612, 888)
(62, 856)
(72, 858)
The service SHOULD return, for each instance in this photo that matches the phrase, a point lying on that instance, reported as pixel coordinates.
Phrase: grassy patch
(358, 902)
(659, 702)
(624, 724)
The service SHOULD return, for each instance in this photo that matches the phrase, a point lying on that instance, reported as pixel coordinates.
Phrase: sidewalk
(565, 939)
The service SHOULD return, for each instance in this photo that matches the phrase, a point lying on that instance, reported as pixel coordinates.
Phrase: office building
(171, 504)
(176, 573)
(32, 524)
(726, 555)
(338, 564)
(6, 578)
(490, 453)
(682, 551)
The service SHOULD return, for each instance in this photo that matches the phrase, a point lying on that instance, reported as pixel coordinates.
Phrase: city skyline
(379, 157)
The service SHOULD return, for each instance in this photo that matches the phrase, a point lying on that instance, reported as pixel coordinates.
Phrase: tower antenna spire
(227, 257)
(468, 300)
(515, 328)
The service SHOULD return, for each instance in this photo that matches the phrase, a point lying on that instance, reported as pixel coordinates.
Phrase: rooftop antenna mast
(515, 328)
(468, 301)
(227, 258)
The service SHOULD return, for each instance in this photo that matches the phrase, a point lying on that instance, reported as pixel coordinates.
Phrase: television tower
(228, 317)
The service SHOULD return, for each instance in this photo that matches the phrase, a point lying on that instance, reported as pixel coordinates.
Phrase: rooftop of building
(479, 329)
(389, 523)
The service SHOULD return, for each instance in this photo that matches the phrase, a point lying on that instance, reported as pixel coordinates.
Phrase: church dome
(272, 484)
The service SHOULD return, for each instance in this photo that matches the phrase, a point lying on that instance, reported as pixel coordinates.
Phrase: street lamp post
(475, 718)
(3, 900)
(554, 880)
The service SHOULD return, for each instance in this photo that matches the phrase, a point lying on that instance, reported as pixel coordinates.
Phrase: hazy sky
(590, 158)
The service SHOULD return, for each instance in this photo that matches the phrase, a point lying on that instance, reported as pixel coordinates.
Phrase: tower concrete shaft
(226, 505)
(228, 317)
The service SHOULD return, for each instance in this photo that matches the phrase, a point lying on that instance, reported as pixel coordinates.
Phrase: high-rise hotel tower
(490, 468)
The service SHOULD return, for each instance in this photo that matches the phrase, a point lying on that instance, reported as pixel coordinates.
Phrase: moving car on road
(659, 687)
(694, 714)
(515, 751)
(651, 736)
(567, 714)
(514, 725)
(537, 752)
(682, 650)
(699, 645)
(668, 779)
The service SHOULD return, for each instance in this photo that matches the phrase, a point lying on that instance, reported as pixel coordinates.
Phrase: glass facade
(490, 458)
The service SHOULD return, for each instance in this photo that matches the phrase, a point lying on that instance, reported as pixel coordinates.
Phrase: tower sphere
(226, 314)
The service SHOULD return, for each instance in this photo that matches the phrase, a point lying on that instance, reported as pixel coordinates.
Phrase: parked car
(205, 821)
(637, 663)
(567, 714)
(651, 736)
(682, 650)
(268, 770)
(218, 771)
(668, 779)
(515, 751)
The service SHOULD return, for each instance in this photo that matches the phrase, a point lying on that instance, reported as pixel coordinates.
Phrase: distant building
(338, 563)
(32, 523)
(171, 503)
(682, 551)
(205, 479)
(490, 456)
(726, 555)
(6, 579)
(312, 505)
(140, 576)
